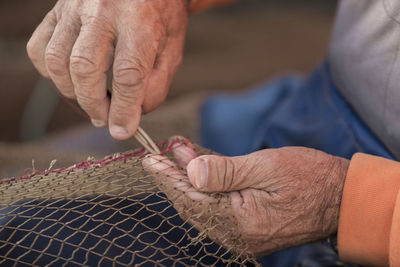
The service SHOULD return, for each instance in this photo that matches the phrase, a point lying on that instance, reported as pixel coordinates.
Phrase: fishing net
(112, 212)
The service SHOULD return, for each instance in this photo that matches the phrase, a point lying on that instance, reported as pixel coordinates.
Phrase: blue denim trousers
(290, 111)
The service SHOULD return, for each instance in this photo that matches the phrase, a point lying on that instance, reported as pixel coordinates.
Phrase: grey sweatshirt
(365, 63)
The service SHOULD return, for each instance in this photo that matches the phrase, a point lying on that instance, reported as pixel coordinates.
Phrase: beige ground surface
(227, 49)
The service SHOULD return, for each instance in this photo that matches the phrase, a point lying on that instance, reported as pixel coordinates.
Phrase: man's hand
(79, 41)
(279, 197)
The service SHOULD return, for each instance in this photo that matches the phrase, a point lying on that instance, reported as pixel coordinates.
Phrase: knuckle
(228, 173)
(33, 50)
(123, 108)
(82, 66)
(128, 75)
(126, 100)
(123, 111)
(99, 23)
(30, 48)
(51, 16)
(159, 31)
(87, 102)
(55, 63)
(120, 118)
(98, 20)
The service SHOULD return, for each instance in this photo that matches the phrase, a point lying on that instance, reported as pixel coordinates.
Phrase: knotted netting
(115, 212)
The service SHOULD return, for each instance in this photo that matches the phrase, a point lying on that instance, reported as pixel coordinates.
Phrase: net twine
(112, 212)
(144, 139)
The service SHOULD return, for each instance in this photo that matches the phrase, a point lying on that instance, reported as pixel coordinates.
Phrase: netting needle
(145, 140)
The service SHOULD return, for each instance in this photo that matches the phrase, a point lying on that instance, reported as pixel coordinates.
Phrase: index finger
(173, 181)
(135, 54)
(89, 62)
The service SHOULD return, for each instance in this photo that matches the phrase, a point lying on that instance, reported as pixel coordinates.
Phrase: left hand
(141, 42)
(280, 197)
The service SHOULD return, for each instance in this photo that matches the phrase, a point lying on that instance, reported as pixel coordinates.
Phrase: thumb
(212, 173)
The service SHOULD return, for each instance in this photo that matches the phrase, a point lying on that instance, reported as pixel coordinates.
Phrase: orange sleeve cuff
(197, 5)
(394, 247)
(367, 211)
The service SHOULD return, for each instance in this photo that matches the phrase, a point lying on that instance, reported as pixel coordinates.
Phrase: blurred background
(229, 48)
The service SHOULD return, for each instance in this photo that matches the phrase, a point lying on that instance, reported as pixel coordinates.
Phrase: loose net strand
(113, 212)
(144, 139)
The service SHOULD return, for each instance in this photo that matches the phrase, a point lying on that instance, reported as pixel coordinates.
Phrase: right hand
(141, 41)
(278, 198)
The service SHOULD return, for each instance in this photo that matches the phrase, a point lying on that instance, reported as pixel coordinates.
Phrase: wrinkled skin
(279, 197)
(141, 41)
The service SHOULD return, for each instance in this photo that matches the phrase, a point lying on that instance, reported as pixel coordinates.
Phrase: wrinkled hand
(279, 197)
(141, 41)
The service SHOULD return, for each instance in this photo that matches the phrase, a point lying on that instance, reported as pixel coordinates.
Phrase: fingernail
(119, 132)
(202, 177)
(98, 123)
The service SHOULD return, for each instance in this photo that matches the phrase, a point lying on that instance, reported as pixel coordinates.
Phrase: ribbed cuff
(367, 207)
(394, 248)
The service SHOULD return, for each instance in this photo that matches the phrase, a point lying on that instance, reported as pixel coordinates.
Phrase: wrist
(334, 183)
